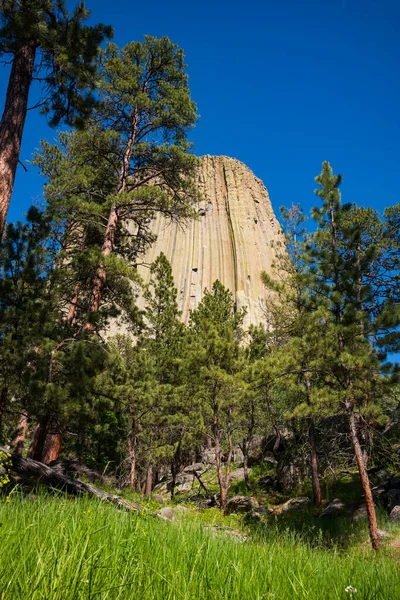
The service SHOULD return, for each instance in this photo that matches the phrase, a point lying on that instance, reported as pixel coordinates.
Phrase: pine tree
(212, 368)
(25, 265)
(45, 42)
(346, 257)
(293, 320)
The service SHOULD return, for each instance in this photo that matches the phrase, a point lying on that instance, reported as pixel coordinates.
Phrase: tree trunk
(149, 480)
(227, 477)
(245, 450)
(3, 403)
(109, 237)
(273, 423)
(39, 438)
(12, 123)
(52, 447)
(316, 486)
(73, 305)
(132, 451)
(369, 501)
(33, 469)
(175, 467)
(19, 440)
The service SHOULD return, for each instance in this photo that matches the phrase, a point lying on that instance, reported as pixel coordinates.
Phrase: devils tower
(231, 240)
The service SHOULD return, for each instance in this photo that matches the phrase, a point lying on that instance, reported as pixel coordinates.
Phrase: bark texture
(12, 123)
(369, 501)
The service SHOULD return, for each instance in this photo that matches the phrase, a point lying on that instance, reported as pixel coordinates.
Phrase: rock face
(232, 240)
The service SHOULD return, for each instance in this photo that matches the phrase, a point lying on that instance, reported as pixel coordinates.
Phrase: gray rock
(181, 509)
(241, 504)
(334, 509)
(158, 498)
(269, 458)
(395, 514)
(238, 474)
(393, 498)
(295, 504)
(360, 514)
(382, 475)
(265, 510)
(168, 514)
(383, 534)
(194, 468)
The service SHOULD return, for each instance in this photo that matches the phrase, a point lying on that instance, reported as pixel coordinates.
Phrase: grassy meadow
(55, 548)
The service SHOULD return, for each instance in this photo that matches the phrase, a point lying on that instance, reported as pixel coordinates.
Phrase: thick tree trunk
(33, 469)
(46, 442)
(12, 123)
(369, 501)
(19, 440)
(52, 447)
(39, 438)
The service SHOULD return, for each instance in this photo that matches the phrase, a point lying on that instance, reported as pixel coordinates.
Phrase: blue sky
(280, 84)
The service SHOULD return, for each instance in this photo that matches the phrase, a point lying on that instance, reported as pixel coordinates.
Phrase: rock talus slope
(232, 240)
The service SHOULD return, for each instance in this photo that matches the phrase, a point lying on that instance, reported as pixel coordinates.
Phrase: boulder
(395, 514)
(393, 498)
(383, 534)
(335, 509)
(194, 468)
(238, 474)
(241, 504)
(360, 514)
(158, 498)
(382, 475)
(295, 504)
(181, 509)
(167, 513)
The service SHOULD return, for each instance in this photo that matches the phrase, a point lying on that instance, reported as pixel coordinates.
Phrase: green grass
(55, 548)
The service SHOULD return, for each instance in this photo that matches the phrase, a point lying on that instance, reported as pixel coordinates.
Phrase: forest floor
(57, 548)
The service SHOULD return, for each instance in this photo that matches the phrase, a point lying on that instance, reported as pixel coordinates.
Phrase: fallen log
(29, 468)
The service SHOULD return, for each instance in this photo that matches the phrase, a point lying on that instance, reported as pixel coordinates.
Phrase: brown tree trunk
(101, 273)
(19, 440)
(13, 121)
(73, 305)
(132, 452)
(31, 468)
(369, 501)
(39, 438)
(52, 447)
(316, 485)
(273, 423)
(176, 464)
(227, 476)
(3, 403)
(245, 450)
(149, 480)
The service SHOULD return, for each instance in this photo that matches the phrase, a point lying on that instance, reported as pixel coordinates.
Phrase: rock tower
(232, 240)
